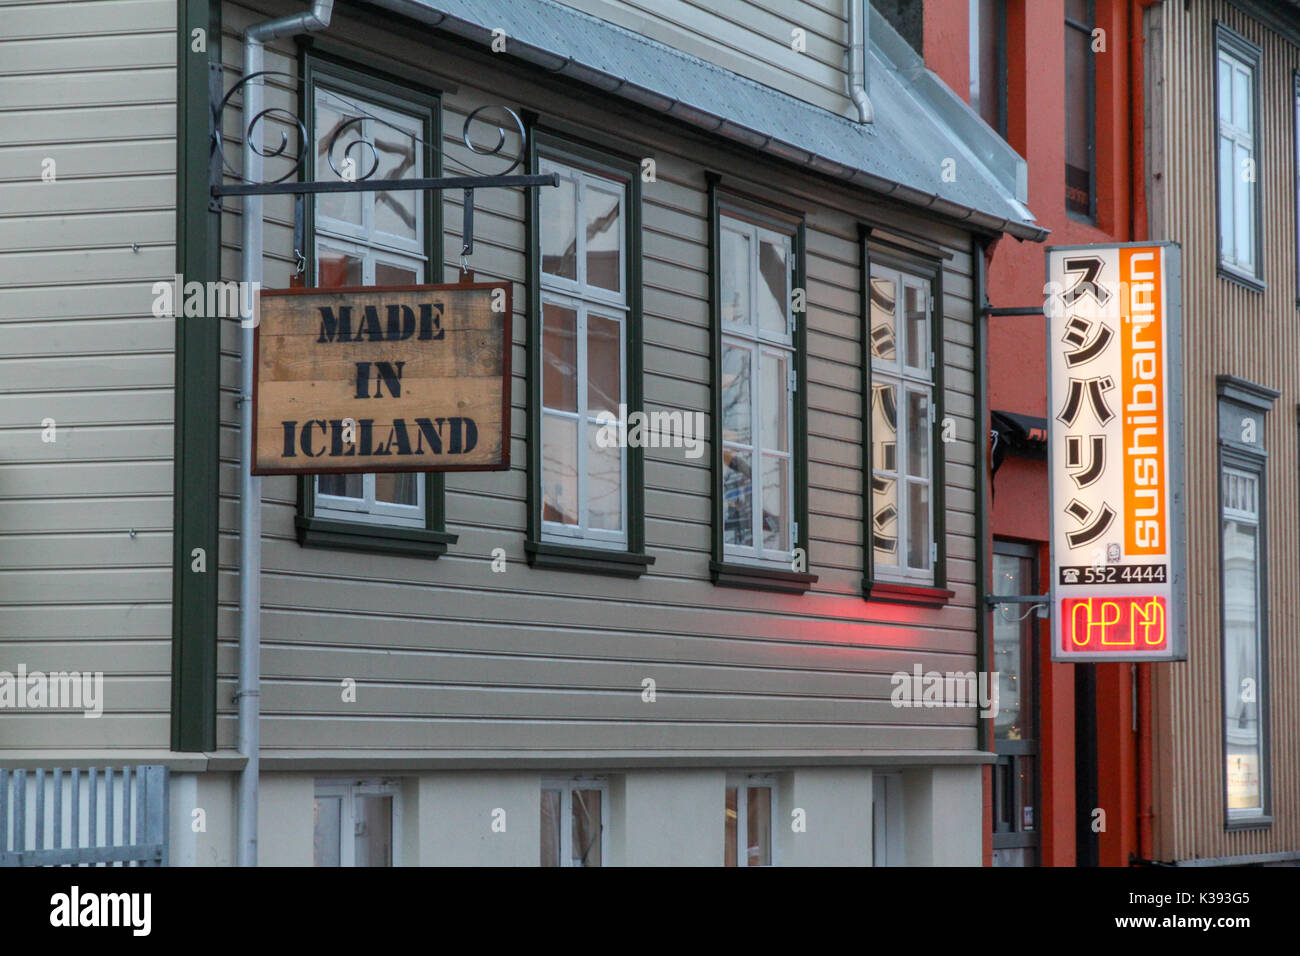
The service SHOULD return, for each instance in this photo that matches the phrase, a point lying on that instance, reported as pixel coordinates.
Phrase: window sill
(1249, 823)
(734, 575)
(895, 592)
(570, 557)
(375, 538)
(1241, 278)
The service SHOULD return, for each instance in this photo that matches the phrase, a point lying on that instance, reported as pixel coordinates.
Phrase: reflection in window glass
(368, 239)
(1242, 677)
(1237, 157)
(551, 800)
(757, 363)
(748, 812)
(582, 235)
(902, 423)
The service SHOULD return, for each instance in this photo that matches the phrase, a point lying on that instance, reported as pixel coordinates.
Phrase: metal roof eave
(470, 19)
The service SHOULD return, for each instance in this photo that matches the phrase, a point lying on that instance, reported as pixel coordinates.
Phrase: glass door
(1015, 658)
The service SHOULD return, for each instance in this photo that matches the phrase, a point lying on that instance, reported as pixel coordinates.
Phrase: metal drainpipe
(250, 490)
(858, 30)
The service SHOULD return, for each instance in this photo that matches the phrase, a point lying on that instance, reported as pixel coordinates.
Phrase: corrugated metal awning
(900, 155)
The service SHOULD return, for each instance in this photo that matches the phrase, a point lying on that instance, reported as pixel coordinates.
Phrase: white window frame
(372, 247)
(347, 791)
(565, 787)
(887, 819)
(1231, 62)
(1253, 518)
(758, 342)
(744, 783)
(366, 233)
(584, 299)
(906, 379)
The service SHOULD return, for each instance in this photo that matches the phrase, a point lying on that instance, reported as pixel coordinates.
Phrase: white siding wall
(91, 86)
(451, 658)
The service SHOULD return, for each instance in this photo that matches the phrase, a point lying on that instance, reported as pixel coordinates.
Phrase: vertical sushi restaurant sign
(370, 379)
(1115, 438)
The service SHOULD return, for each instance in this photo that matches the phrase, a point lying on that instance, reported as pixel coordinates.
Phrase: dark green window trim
(315, 65)
(196, 462)
(887, 589)
(726, 573)
(633, 561)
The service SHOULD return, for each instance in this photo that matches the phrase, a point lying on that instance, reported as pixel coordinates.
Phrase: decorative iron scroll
(353, 163)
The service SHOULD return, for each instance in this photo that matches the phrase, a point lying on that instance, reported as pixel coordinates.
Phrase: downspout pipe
(858, 15)
(250, 490)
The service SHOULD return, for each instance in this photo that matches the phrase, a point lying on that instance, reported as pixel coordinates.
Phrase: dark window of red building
(1080, 110)
(988, 62)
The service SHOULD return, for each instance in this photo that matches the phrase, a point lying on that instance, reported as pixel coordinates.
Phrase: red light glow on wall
(1119, 624)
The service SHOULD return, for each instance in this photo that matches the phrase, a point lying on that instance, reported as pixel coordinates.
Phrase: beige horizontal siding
(754, 38)
(86, 521)
(448, 655)
(1229, 330)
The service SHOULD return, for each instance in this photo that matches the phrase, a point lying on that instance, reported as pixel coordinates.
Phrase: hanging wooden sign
(368, 379)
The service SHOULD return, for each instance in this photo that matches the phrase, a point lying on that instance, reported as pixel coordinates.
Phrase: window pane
(758, 821)
(604, 236)
(327, 831)
(736, 413)
(386, 274)
(1227, 200)
(1078, 121)
(918, 524)
(737, 498)
(917, 325)
(735, 259)
(1242, 107)
(1241, 675)
(1011, 649)
(1225, 90)
(774, 379)
(884, 488)
(918, 434)
(397, 489)
(586, 828)
(398, 154)
(884, 427)
(550, 828)
(559, 216)
(335, 268)
(374, 830)
(342, 486)
(604, 368)
(987, 70)
(605, 484)
(331, 117)
(883, 332)
(1244, 246)
(776, 503)
(730, 818)
(559, 358)
(774, 289)
(559, 469)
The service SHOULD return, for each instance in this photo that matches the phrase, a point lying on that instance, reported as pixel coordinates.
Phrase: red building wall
(1017, 381)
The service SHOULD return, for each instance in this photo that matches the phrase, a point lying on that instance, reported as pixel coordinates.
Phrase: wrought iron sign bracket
(349, 179)
(1037, 602)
